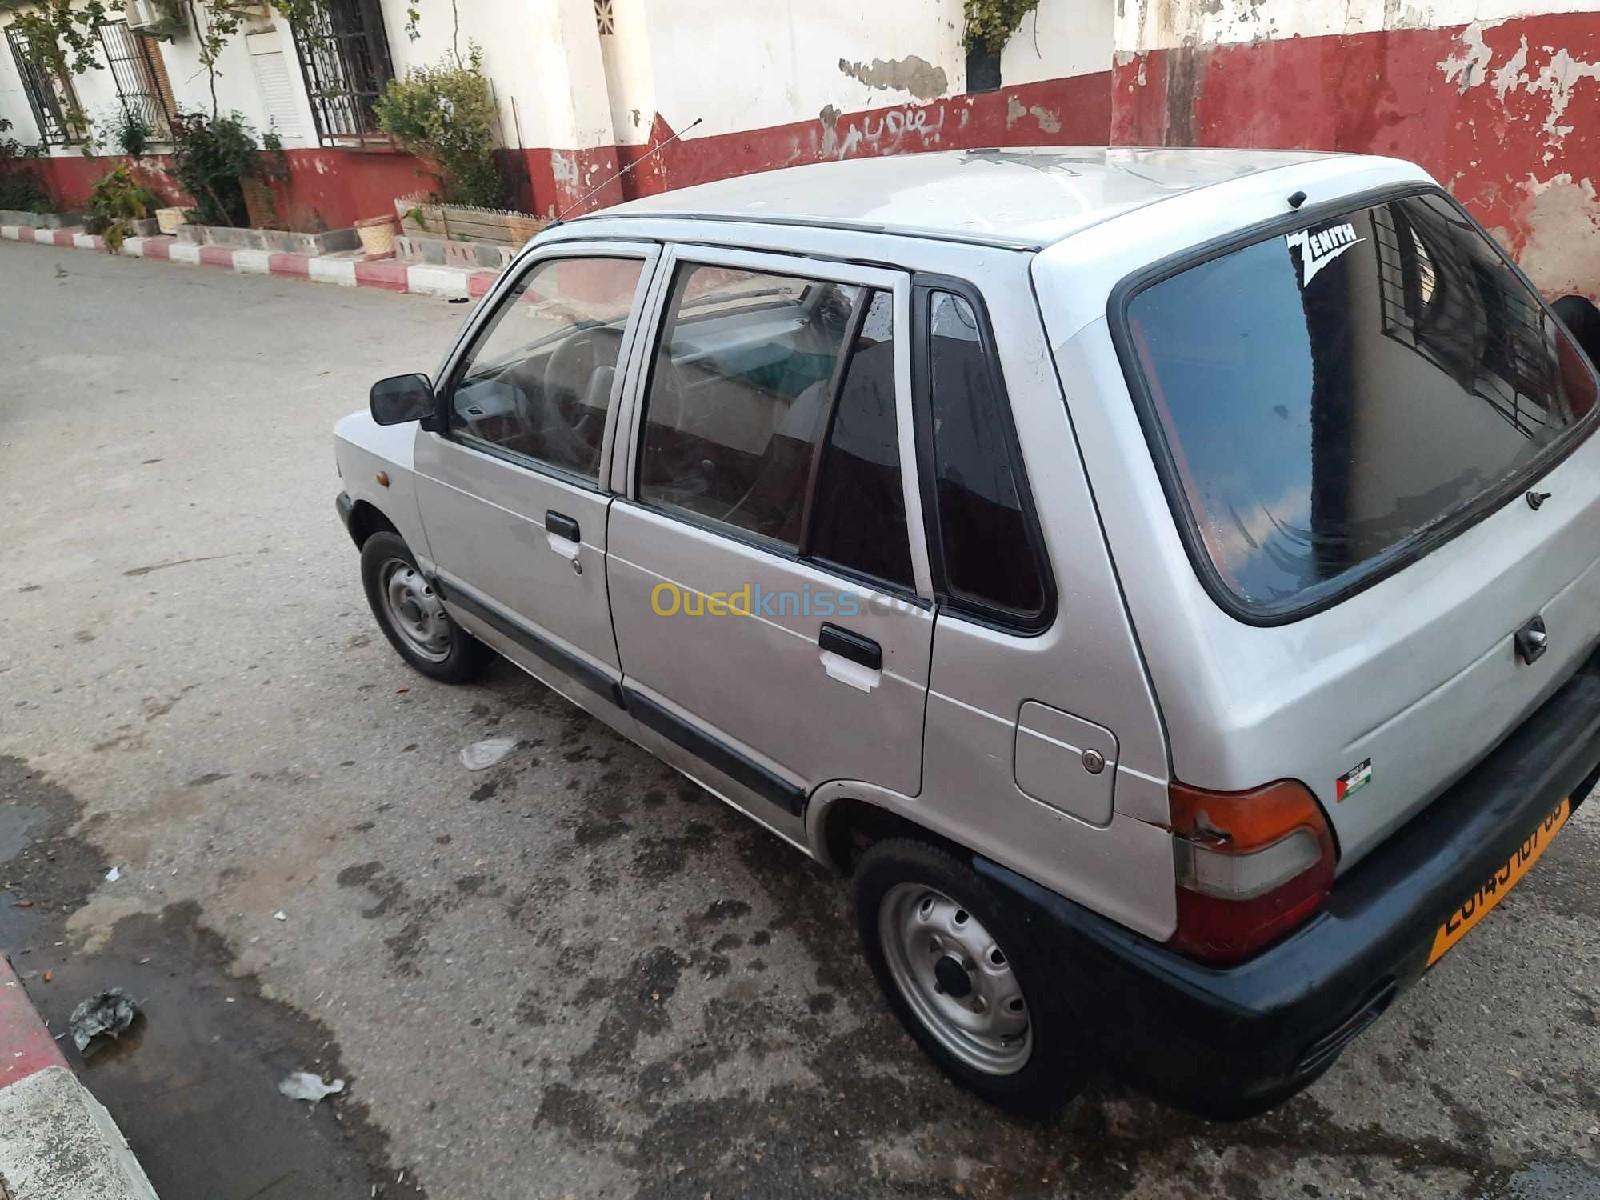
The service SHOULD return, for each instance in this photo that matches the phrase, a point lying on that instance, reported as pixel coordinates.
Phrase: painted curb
(389, 275)
(57, 1142)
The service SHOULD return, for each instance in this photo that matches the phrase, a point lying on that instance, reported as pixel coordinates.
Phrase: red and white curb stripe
(417, 279)
(57, 1142)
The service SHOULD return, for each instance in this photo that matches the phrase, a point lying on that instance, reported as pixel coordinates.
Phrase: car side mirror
(402, 398)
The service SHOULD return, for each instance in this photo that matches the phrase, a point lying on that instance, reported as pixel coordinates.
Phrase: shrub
(211, 159)
(20, 186)
(131, 133)
(116, 199)
(445, 115)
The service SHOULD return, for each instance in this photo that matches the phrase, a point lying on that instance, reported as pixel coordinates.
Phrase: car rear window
(1332, 398)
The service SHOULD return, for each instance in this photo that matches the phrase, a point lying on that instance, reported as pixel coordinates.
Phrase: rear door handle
(863, 650)
(561, 525)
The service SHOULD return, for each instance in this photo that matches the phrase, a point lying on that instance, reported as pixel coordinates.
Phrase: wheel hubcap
(956, 978)
(413, 609)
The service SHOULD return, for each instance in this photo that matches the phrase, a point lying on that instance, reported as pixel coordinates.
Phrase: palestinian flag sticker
(1353, 780)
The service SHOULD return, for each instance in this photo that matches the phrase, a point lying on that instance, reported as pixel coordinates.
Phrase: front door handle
(561, 525)
(837, 640)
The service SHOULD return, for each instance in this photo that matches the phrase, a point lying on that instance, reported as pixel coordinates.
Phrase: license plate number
(1476, 906)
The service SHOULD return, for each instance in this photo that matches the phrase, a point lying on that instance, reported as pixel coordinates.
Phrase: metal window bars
(136, 78)
(50, 95)
(1454, 309)
(344, 55)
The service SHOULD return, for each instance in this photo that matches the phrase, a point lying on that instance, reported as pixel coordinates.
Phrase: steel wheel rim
(414, 610)
(935, 948)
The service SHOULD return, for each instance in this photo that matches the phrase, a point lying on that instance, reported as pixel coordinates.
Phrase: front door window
(538, 381)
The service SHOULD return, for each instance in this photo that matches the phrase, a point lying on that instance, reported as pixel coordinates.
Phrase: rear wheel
(412, 616)
(965, 978)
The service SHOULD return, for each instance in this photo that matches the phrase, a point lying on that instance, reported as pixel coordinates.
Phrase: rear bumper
(1232, 1042)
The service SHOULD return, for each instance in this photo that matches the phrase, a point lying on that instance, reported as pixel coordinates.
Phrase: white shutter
(271, 66)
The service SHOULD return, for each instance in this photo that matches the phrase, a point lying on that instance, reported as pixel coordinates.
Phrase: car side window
(858, 520)
(539, 378)
(989, 555)
(738, 397)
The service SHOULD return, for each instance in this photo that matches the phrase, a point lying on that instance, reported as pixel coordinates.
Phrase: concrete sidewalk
(57, 1142)
(345, 270)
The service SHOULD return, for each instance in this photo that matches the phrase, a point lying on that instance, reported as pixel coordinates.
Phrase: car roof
(1026, 197)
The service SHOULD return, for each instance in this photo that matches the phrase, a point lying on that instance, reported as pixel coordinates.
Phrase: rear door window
(738, 397)
(1334, 398)
(992, 564)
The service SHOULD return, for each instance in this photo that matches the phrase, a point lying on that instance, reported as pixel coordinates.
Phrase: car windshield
(1331, 397)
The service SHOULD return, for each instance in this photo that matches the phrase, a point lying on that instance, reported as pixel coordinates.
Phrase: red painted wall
(326, 189)
(1504, 155)
(329, 189)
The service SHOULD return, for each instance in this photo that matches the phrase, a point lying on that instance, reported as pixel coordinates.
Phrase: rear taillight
(1251, 866)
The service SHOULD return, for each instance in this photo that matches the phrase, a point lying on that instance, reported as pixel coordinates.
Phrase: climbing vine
(990, 23)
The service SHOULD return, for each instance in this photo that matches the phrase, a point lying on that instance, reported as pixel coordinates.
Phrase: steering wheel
(566, 378)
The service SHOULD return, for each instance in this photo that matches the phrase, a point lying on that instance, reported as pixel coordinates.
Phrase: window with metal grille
(50, 95)
(136, 71)
(344, 54)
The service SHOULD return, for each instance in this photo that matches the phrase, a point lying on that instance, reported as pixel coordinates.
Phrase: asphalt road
(570, 975)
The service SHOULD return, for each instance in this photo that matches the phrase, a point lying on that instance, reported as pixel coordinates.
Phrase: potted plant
(377, 236)
(116, 204)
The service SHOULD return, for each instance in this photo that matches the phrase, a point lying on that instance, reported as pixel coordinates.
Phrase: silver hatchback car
(1166, 582)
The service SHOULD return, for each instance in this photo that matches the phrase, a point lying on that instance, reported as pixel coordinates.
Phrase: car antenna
(636, 162)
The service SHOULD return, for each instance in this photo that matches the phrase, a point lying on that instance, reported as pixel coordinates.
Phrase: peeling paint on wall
(1047, 120)
(1560, 223)
(1469, 66)
(1505, 113)
(910, 74)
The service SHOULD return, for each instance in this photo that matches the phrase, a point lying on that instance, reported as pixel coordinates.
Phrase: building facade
(1500, 99)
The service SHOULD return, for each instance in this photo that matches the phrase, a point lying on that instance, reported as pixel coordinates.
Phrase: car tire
(926, 920)
(411, 616)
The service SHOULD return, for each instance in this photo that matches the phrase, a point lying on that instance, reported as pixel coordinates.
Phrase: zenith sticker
(1353, 780)
(1319, 249)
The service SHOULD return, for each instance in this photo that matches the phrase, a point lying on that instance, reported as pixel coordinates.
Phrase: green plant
(117, 199)
(20, 186)
(446, 116)
(131, 133)
(211, 159)
(990, 23)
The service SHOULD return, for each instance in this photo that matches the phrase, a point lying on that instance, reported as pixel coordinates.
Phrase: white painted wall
(1060, 38)
(237, 90)
(738, 64)
(744, 64)
(543, 57)
(1163, 24)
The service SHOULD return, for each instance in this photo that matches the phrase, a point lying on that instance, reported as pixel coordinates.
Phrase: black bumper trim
(1232, 1042)
(347, 508)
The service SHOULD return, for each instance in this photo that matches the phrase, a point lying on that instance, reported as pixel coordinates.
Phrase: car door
(513, 493)
(771, 607)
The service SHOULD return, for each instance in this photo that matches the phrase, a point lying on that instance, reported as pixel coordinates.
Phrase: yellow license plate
(1476, 906)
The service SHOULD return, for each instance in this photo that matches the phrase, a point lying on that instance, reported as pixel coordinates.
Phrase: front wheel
(411, 615)
(964, 978)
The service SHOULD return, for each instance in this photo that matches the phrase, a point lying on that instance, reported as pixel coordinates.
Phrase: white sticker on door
(1320, 247)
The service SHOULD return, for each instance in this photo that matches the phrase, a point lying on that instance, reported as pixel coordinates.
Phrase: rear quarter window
(1331, 400)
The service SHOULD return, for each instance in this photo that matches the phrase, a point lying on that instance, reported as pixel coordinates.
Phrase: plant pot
(377, 236)
(168, 220)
